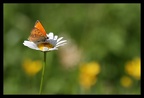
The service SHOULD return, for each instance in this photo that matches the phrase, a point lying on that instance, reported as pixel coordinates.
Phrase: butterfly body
(38, 33)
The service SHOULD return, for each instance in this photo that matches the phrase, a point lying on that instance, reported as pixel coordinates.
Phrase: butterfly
(38, 33)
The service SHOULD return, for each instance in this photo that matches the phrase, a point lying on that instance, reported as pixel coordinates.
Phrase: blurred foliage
(105, 33)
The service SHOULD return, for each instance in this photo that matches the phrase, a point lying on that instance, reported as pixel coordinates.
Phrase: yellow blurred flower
(133, 68)
(126, 81)
(91, 68)
(31, 68)
(88, 73)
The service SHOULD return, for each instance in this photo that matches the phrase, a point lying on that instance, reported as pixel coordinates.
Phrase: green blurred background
(108, 34)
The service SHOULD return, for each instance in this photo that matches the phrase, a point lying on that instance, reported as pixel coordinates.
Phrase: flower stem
(42, 77)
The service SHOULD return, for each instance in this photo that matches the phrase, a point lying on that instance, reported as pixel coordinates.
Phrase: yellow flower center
(42, 45)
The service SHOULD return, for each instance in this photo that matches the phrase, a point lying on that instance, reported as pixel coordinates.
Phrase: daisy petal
(55, 37)
(31, 45)
(59, 39)
(61, 42)
(53, 49)
(50, 35)
(60, 45)
(45, 49)
(51, 41)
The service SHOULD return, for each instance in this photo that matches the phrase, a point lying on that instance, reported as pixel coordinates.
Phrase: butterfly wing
(36, 36)
(39, 26)
(38, 33)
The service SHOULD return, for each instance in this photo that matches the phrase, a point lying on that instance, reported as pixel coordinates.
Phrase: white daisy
(52, 43)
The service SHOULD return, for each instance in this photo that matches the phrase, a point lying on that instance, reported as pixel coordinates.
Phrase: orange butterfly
(38, 33)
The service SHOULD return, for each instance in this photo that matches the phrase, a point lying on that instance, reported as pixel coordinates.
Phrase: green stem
(42, 77)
